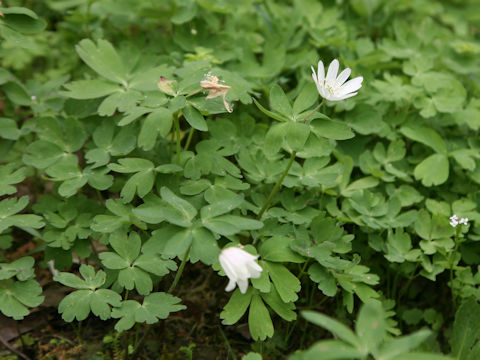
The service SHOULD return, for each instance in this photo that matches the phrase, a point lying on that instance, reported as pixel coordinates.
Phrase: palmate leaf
(21, 268)
(103, 58)
(121, 218)
(8, 209)
(22, 20)
(259, 321)
(79, 303)
(134, 268)
(155, 306)
(16, 296)
(9, 175)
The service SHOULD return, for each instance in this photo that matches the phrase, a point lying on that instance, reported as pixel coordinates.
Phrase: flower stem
(452, 261)
(180, 270)
(277, 186)
(189, 139)
(194, 93)
(170, 290)
(314, 111)
(177, 136)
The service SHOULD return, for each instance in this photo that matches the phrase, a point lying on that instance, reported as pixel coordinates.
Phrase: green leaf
(23, 20)
(335, 327)
(277, 249)
(154, 264)
(9, 207)
(425, 136)
(133, 277)
(285, 282)
(9, 129)
(279, 102)
(307, 97)
(182, 209)
(325, 280)
(92, 281)
(433, 170)
(283, 309)
(231, 224)
(21, 268)
(371, 326)
(366, 120)
(194, 118)
(422, 356)
(296, 135)
(155, 306)
(269, 113)
(236, 306)
(466, 328)
(252, 356)
(79, 303)
(331, 129)
(90, 89)
(402, 345)
(140, 183)
(127, 247)
(103, 58)
(9, 175)
(16, 92)
(204, 246)
(157, 122)
(259, 321)
(274, 138)
(16, 296)
(331, 350)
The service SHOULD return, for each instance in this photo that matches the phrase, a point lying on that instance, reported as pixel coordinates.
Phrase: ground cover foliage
(122, 177)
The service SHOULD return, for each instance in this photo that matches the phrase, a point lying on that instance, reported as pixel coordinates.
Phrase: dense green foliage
(112, 156)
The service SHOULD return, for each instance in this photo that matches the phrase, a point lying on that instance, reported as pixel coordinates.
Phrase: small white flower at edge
(333, 87)
(454, 220)
(239, 266)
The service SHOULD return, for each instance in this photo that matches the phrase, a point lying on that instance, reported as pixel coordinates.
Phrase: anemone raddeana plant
(147, 146)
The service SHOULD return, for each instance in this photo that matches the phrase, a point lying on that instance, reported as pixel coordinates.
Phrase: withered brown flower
(210, 83)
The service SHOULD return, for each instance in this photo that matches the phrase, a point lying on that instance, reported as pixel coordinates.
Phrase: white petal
(243, 285)
(320, 72)
(231, 285)
(333, 70)
(228, 268)
(351, 85)
(343, 76)
(343, 97)
(314, 76)
(255, 270)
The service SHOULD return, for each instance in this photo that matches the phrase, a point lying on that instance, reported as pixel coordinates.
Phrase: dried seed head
(210, 83)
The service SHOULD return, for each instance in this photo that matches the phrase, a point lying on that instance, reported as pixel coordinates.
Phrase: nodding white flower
(239, 266)
(454, 220)
(333, 87)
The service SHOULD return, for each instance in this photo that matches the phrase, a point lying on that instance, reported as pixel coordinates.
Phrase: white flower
(454, 220)
(239, 266)
(333, 87)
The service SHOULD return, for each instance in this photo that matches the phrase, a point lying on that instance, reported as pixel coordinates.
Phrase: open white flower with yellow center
(333, 87)
(239, 266)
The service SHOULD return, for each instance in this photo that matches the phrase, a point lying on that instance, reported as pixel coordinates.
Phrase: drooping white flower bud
(239, 266)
